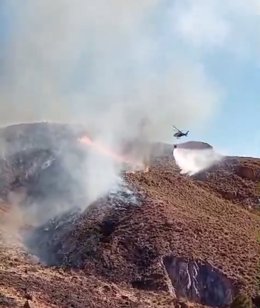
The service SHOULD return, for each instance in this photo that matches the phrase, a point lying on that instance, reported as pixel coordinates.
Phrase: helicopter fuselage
(180, 134)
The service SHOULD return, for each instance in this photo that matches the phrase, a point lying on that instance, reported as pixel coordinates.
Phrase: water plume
(194, 157)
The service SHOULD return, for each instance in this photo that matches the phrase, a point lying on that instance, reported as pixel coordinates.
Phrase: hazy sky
(237, 127)
(225, 36)
(208, 50)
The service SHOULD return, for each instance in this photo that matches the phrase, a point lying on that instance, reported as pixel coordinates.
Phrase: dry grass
(179, 215)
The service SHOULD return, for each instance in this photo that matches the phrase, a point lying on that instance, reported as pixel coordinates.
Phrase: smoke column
(102, 64)
(106, 64)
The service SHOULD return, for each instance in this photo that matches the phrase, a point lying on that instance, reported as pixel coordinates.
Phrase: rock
(184, 305)
(27, 305)
(248, 172)
(28, 296)
(229, 195)
(199, 282)
(256, 300)
(7, 301)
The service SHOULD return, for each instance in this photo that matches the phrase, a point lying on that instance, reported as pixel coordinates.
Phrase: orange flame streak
(4, 209)
(106, 151)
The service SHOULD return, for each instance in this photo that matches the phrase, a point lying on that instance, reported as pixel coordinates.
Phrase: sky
(228, 44)
(236, 126)
(205, 54)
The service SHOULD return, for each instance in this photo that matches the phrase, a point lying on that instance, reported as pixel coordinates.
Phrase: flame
(3, 209)
(108, 152)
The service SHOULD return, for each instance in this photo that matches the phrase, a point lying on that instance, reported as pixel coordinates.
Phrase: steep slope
(159, 236)
(175, 217)
(236, 179)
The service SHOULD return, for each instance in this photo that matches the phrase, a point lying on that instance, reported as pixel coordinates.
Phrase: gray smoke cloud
(105, 64)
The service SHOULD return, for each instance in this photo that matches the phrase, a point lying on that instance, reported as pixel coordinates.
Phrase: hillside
(161, 240)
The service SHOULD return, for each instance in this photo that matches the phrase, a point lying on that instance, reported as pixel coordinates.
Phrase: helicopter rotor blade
(176, 128)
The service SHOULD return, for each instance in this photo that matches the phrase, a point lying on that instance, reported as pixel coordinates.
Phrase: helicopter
(179, 133)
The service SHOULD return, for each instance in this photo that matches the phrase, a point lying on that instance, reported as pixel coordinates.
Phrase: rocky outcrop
(248, 172)
(199, 282)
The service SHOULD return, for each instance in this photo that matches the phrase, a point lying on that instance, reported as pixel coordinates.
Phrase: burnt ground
(161, 240)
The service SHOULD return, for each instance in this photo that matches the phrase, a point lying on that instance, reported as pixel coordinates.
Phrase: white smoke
(105, 64)
(192, 161)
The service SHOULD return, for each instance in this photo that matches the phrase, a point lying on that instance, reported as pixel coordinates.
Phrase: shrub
(242, 301)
